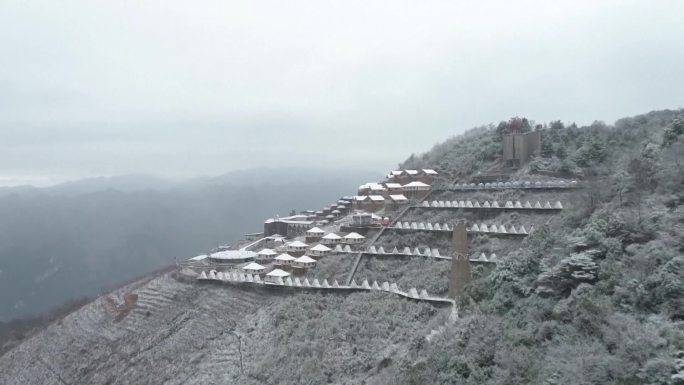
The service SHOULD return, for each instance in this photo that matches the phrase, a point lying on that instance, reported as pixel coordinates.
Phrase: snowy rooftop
(305, 259)
(398, 197)
(267, 252)
(301, 219)
(316, 230)
(297, 244)
(253, 266)
(285, 257)
(416, 184)
(198, 258)
(354, 236)
(376, 198)
(320, 248)
(332, 236)
(429, 171)
(372, 186)
(233, 254)
(278, 273)
(393, 185)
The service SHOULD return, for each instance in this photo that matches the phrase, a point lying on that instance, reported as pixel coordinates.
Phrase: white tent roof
(278, 273)
(320, 248)
(267, 252)
(416, 184)
(354, 236)
(253, 266)
(315, 230)
(285, 257)
(305, 259)
(332, 236)
(297, 244)
(372, 186)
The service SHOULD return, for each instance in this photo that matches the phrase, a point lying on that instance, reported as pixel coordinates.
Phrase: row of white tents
(427, 252)
(423, 226)
(517, 184)
(343, 249)
(315, 283)
(483, 228)
(494, 205)
(501, 229)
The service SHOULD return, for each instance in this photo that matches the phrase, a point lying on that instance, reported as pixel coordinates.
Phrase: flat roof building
(231, 257)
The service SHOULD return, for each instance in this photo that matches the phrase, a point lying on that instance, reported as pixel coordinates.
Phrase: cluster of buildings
(292, 245)
(399, 189)
(296, 224)
(286, 258)
(425, 175)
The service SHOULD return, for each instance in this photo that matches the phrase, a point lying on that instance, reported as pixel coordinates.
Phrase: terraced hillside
(433, 273)
(188, 333)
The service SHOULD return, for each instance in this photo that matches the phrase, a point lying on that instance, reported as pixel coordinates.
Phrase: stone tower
(460, 264)
(519, 148)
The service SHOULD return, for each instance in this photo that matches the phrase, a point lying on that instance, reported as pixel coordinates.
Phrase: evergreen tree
(546, 147)
(557, 125)
(673, 131)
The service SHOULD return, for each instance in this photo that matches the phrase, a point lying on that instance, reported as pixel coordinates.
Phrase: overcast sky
(184, 88)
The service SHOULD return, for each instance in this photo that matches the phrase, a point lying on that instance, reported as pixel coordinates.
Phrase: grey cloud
(188, 88)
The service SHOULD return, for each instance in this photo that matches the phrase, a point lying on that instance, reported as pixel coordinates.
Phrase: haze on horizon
(181, 89)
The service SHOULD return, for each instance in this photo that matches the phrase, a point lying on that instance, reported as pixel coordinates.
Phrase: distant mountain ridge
(80, 238)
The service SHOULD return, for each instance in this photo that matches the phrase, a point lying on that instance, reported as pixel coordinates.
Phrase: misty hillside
(593, 296)
(82, 238)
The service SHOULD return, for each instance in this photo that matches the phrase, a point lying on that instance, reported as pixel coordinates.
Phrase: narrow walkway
(375, 238)
(253, 243)
(296, 283)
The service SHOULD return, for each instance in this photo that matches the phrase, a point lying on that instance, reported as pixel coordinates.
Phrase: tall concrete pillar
(460, 265)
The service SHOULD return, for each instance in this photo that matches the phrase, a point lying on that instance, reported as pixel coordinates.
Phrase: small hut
(320, 250)
(296, 247)
(266, 255)
(331, 239)
(284, 259)
(353, 238)
(276, 275)
(314, 233)
(304, 262)
(253, 268)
